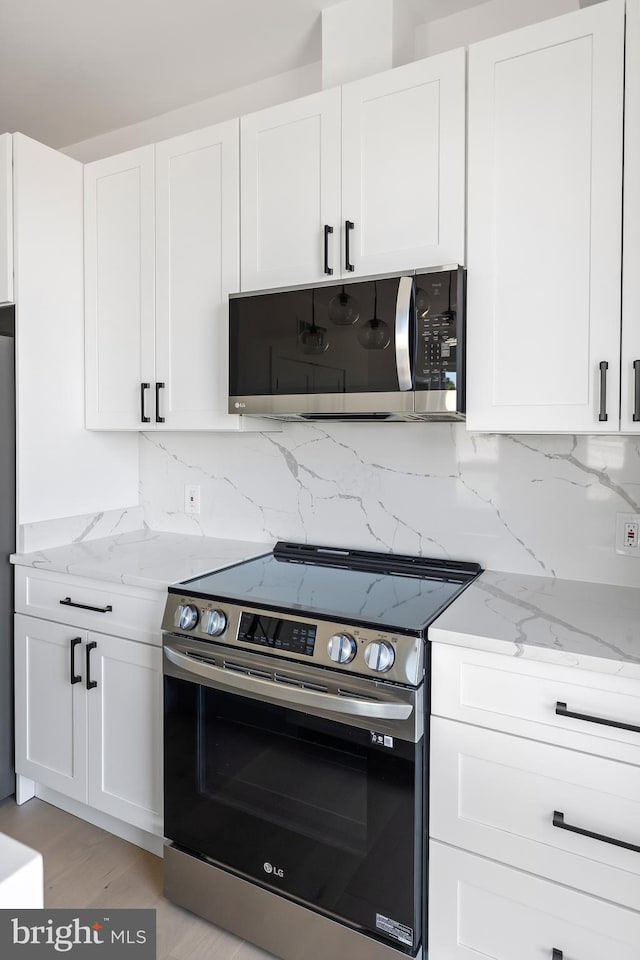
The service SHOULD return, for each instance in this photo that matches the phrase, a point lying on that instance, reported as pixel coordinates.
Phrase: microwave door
(333, 349)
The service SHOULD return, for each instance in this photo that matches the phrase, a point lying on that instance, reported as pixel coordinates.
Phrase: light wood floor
(87, 867)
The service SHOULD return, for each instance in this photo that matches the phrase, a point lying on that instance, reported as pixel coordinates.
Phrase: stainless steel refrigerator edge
(7, 544)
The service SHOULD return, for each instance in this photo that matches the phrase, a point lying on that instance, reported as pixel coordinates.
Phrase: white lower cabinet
(481, 909)
(89, 718)
(534, 810)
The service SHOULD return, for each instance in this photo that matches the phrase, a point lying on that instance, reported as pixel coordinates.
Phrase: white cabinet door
(119, 290)
(197, 267)
(480, 910)
(290, 188)
(544, 225)
(125, 731)
(50, 710)
(630, 394)
(6, 219)
(403, 166)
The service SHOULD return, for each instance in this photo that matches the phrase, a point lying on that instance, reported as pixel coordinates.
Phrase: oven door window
(306, 806)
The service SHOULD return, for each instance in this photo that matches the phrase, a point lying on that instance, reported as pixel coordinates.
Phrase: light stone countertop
(593, 626)
(588, 625)
(143, 558)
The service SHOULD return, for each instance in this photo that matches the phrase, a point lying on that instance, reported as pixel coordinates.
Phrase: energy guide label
(394, 929)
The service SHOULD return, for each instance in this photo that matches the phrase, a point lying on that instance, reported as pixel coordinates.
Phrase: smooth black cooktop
(389, 590)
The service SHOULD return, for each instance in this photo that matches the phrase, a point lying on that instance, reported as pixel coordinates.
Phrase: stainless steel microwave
(379, 348)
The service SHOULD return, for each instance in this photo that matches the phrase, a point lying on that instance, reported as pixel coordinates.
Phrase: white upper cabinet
(197, 254)
(290, 190)
(403, 166)
(544, 225)
(363, 179)
(630, 395)
(161, 245)
(6, 219)
(119, 289)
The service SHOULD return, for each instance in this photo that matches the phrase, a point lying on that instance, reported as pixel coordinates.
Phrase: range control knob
(186, 616)
(214, 622)
(379, 656)
(342, 648)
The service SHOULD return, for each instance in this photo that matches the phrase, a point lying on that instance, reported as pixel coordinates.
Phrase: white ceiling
(72, 69)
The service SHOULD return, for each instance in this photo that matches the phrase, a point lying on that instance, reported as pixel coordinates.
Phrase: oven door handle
(286, 695)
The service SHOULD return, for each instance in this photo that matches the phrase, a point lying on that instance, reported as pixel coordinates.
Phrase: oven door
(273, 774)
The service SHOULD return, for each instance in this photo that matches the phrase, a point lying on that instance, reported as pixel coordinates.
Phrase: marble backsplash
(542, 505)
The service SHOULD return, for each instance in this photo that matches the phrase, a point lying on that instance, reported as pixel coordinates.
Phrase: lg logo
(269, 868)
(239, 406)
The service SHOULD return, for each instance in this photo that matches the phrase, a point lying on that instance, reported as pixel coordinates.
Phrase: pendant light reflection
(312, 338)
(343, 309)
(375, 334)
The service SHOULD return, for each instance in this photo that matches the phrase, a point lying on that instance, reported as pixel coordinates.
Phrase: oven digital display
(276, 633)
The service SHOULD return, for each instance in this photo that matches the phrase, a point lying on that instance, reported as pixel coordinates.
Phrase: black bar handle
(327, 230)
(557, 954)
(90, 683)
(636, 391)
(143, 417)
(558, 821)
(68, 602)
(561, 710)
(348, 227)
(604, 366)
(159, 387)
(74, 677)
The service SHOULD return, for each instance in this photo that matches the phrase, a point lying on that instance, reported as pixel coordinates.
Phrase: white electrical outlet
(628, 534)
(191, 498)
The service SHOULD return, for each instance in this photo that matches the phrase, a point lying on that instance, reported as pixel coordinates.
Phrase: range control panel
(361, 650)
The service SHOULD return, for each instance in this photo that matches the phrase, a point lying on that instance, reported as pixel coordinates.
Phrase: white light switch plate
(628, 534)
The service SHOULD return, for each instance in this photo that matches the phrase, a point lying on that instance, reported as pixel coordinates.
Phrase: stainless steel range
(296, 736)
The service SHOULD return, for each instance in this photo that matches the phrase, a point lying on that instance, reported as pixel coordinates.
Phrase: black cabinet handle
(604, 366)
(90, 683)
(558, 821)
(159, 387)
(74, 677)
(561, 710)
(557, 954)
(636, 391)
(143, 417)
(68, 602)
(348, 227)
(327, 230)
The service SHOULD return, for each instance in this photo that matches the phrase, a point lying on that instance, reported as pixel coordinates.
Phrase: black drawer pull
(636, 391)
(68, 602)
(74, 677)
(561, 710)
(90, 683)
(159, 387)
(557, 954)
(348, 227)
(558, 821)
(327, 230)
(143, 417)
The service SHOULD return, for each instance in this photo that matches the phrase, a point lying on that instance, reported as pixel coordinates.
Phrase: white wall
(225, 106)
(535, 505)
(487, 20)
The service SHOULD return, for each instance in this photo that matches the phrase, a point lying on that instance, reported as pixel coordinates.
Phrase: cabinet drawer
(134, 612)
(521, 697)
(482, 909)
(499, 795)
